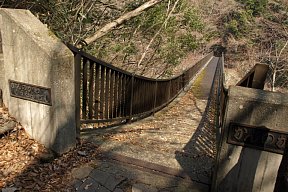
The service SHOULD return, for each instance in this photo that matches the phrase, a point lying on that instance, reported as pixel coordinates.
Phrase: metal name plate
(257, 137)
(30, 92)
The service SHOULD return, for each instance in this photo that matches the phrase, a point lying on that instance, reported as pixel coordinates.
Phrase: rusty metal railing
(217, 102)
(105, 93)
(217, 98)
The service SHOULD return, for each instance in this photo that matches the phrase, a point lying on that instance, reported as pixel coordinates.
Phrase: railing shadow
(197, 157)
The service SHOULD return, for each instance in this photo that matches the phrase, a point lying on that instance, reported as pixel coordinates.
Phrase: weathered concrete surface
(246, 169)
(1, 62)
(33, 54)
(1, 78)
(109, 175)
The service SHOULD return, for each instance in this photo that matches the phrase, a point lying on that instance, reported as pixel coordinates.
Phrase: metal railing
(217, 102)
(217, 99)
(105, 93)
(220, 93)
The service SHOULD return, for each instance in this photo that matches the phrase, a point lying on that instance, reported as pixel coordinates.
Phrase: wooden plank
(124, 96)
(107, 91)
(131, 97)
(102, 92)
(97, 91)
(169, 88)
(91, 89)
(120, 95)
(116, 93)
(84, 89)
(144, 96)
(155, 94)
(112, 79)
(134, 101)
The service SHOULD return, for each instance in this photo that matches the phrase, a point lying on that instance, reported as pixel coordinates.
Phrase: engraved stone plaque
(30, 92)
(257, 137)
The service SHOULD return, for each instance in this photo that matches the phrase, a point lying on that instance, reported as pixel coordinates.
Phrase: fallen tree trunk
(110, 26)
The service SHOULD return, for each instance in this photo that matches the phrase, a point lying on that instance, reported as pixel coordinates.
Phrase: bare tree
(278, 63)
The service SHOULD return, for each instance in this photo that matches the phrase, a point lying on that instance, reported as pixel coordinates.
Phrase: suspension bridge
(186, 133)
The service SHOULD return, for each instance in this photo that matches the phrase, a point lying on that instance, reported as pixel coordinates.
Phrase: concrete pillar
(1, 62)
(38, 62)
(246, 168)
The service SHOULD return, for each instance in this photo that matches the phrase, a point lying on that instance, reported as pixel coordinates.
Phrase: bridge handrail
(105, 93)
(217, 102)
(217, 97)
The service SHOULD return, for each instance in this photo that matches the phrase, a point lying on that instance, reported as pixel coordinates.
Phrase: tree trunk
(273, 80)
(110, 26)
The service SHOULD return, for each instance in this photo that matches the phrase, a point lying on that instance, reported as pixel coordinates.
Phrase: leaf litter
(21, 165)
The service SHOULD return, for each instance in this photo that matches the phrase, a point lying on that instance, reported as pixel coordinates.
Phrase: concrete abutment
(40, 69)
(253, 137)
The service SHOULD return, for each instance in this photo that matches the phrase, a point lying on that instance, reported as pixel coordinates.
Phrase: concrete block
(242, 168)
(1, 71)
(1, 58)
(34, 55)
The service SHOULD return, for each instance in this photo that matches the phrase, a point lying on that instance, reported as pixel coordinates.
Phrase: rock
(118, 190)
(140, 187)
(47, 157)
(10, 125)
(82, 153)
(82, 172)
(9, 189)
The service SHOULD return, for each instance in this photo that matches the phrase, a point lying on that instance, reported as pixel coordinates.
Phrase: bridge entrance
(178, 142)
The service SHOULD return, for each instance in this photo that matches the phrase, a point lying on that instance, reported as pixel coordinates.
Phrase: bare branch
(157, 33)
(110, 26)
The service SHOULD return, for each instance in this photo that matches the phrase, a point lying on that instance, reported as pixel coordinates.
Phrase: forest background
(168, 36)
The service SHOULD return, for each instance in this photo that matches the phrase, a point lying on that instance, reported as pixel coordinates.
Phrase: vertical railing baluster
(146, 95)
(140, 95)
(120, 96)
(96, 93)
(107, 91)
(124, 96)
(91, 90)
(169, 88)
(131, 99)
(150, 96)
(155, 96)
(84, 91)
(116, 93)
(112, 78)
(136, 96)
(102, 92)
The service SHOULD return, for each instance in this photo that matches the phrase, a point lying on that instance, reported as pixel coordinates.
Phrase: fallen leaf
(87, 186)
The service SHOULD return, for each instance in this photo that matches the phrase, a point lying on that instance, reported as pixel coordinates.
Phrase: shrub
(237, 23)
(255, 6)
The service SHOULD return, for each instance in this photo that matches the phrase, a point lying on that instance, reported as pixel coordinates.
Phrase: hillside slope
(252, 31)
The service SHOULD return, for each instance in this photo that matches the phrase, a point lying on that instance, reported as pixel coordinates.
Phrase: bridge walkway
(177, 142)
